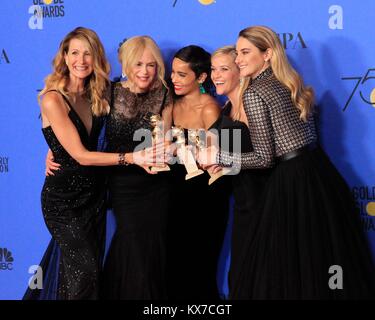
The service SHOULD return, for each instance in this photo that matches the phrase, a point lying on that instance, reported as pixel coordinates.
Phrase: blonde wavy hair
(264, 38)
(95, 84)
(132, 49)
(231, 51)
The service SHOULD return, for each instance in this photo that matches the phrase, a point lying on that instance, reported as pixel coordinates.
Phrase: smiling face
(183, 78)
(250, 60)
(225, 74)
(79, 60)
(143, 72)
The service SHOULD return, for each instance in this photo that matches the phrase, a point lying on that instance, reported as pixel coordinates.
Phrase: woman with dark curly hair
(197, 220)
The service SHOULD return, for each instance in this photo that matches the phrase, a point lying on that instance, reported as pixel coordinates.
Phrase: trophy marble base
(160, 169)
(217, 175)
(193, 174)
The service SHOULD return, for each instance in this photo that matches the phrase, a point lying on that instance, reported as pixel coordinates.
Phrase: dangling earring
(201, 88)
(123, 77)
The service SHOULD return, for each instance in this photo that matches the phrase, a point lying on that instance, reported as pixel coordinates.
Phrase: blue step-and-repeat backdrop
(331, 43)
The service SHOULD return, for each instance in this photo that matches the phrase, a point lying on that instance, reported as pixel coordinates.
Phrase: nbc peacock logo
(6, 259)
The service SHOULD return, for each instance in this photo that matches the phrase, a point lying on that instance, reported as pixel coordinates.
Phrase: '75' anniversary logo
(362, 84)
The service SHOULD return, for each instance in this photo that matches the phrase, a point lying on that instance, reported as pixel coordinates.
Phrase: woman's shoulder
(54, 104)
(209, 102)
(210, 111)
(116, 85)
(52, 98)
(266, 85)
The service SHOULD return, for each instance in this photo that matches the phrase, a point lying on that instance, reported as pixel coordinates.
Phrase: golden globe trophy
(157, 135)
(197, 140)
(185, 155)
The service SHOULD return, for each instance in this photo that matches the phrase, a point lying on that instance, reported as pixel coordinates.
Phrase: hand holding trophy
(185, 154)
(196, 138)
(158, 136)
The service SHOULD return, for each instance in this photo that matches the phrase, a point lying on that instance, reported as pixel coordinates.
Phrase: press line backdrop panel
(329, 42)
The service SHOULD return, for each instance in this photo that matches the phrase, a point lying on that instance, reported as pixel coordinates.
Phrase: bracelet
(121, 159)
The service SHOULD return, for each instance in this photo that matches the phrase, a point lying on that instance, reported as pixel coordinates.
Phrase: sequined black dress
(73, 205)
(135, 263)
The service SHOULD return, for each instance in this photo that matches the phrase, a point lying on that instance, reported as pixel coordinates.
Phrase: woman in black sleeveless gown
(73, 198)
(199, 212)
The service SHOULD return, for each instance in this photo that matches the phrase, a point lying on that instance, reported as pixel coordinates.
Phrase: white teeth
(218, 83)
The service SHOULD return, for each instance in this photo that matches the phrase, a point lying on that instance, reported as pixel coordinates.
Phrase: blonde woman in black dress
(225, 75)
(73, 105)
(135, 264)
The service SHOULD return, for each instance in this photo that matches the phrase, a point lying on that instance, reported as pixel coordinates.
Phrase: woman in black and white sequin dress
(308, 220)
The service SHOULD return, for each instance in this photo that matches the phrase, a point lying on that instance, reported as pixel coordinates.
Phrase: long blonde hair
(95, 84)
(263, 38)
(231, 51)
(132, 49)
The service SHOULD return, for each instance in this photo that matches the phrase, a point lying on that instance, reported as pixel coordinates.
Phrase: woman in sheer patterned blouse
(307, 234)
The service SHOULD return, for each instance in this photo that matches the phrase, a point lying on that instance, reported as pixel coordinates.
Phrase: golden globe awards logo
(365, 200)
(204, 2)
(45, 9)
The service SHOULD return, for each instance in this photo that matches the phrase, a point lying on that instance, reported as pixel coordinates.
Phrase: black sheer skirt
(308, 223)
(134, 268)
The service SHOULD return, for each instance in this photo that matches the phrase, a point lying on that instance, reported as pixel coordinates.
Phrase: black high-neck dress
(135, 263)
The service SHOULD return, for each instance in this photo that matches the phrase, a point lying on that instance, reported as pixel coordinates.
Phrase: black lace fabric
(131, 112)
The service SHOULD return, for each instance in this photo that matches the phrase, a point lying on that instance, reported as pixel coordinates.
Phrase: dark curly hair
(199, 61)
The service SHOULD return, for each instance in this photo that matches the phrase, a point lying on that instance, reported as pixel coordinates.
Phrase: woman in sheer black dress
(135, 264)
